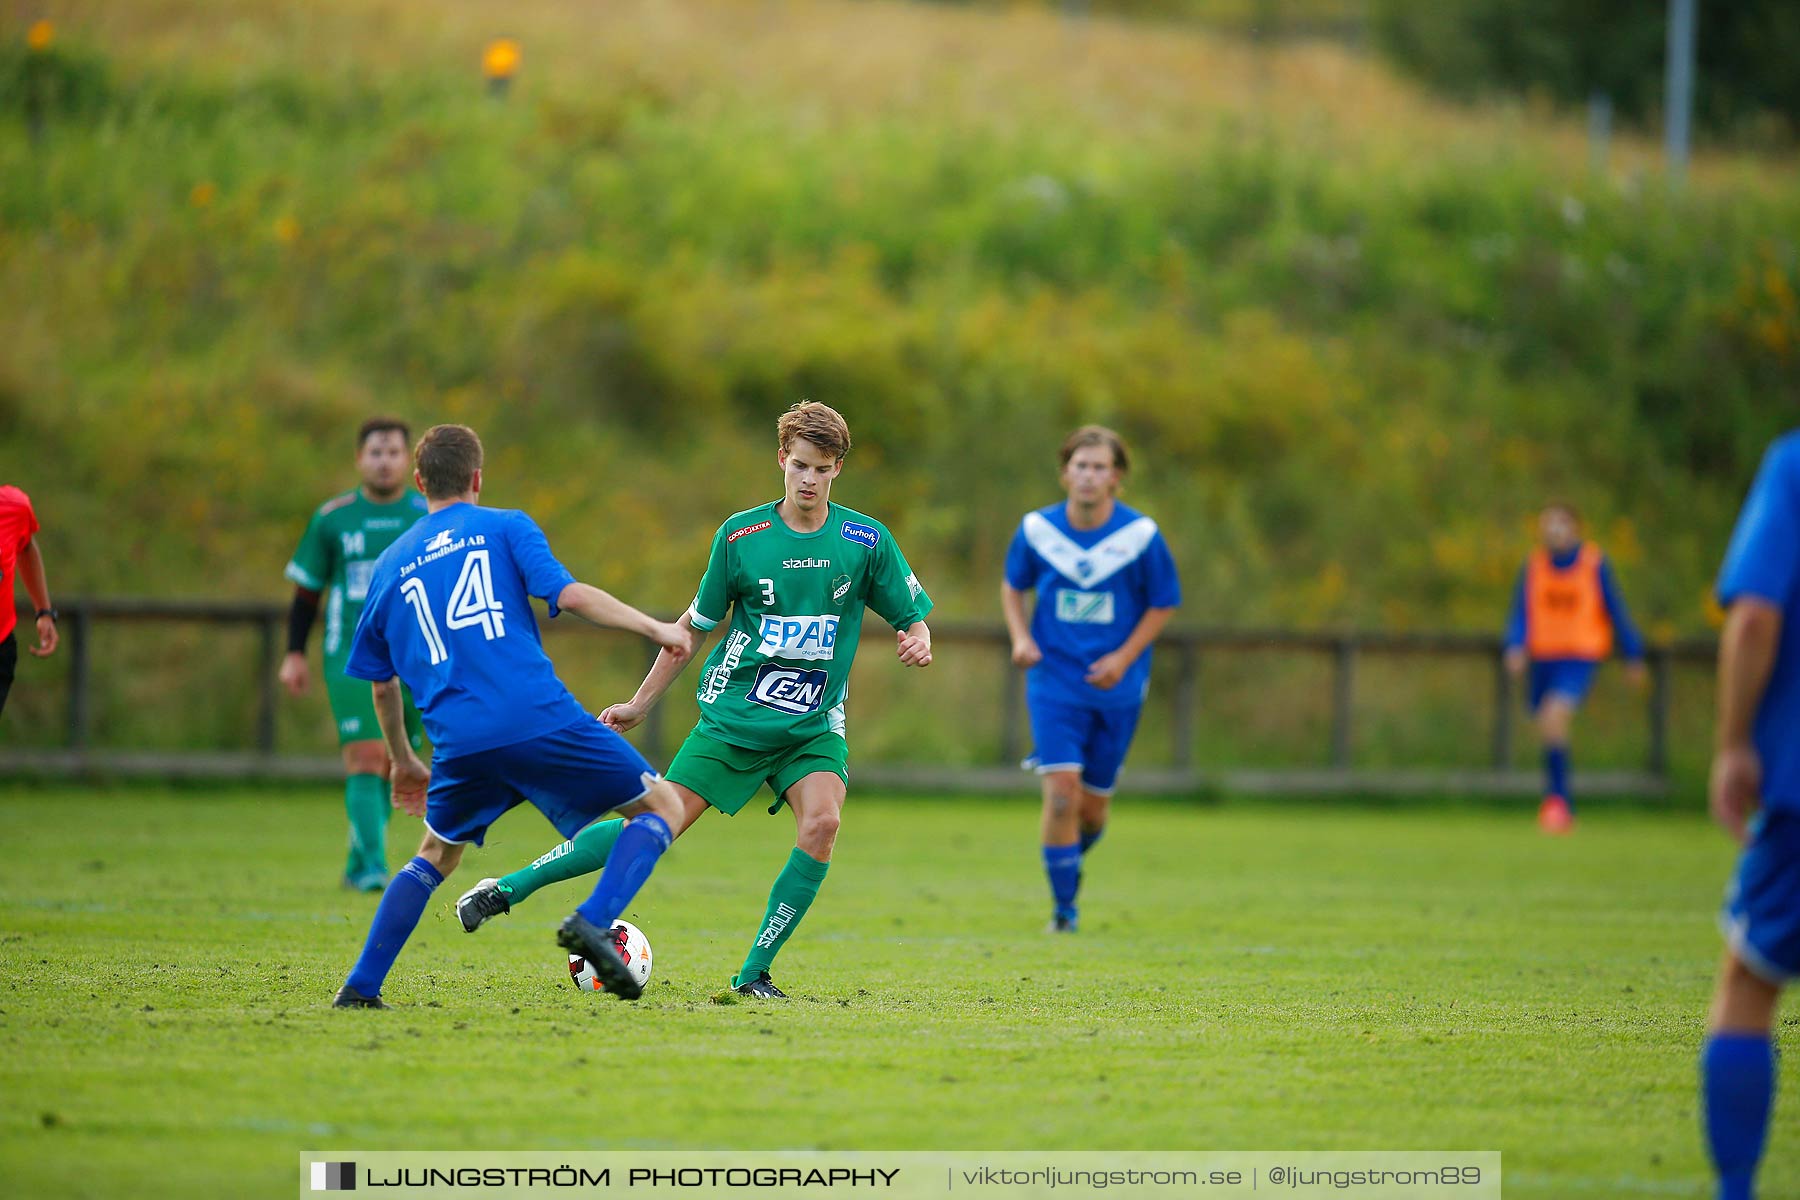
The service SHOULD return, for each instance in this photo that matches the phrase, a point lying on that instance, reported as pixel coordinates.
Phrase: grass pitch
(1248, 977)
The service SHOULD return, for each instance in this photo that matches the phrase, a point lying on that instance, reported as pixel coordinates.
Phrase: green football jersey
(337, 555)
(781, 673)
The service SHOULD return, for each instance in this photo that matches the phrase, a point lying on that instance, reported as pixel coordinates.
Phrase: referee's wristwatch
(48, 612)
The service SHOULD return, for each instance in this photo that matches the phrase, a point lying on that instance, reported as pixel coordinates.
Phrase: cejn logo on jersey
(791, 690)
(807, 638)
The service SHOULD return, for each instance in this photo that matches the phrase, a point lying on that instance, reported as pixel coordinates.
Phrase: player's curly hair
(1097, 435)
(447, 458)
(818, 423)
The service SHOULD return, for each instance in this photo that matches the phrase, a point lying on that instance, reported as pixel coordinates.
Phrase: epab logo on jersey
(810, 638)
(866, 535)
(792, 690)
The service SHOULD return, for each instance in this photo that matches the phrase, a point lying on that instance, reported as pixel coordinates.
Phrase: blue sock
(634, 855)
(1737, 1084)
(1090, 836)
(1556, 771)
(1063, 865)
(402, 904)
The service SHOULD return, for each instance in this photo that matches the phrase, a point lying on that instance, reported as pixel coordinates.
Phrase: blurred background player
(449, 614)
(1755, 795)
(1106, 585)
(794, 577)
(1567, 615)
(21, 558)
(336, 555)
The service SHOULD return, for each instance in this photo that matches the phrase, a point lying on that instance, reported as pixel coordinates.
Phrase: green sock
(582, 855)
(366, 803)
(789, 899)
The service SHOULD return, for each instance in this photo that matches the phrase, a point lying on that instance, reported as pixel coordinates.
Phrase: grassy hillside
(1358, 336)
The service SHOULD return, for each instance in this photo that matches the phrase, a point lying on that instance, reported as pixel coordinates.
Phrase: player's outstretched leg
(818, 804)
(1062, 846)
(634, 855)
(1737, 1076)
(396, 917)
(582, 854)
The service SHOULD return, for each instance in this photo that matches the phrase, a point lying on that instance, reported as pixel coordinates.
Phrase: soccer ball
(633, 947)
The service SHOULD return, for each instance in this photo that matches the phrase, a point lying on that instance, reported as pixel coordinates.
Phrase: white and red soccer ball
(633, 947)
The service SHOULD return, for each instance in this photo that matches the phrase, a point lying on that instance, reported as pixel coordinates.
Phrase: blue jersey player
(449, 615)
(1106, 586)
(1755, 795)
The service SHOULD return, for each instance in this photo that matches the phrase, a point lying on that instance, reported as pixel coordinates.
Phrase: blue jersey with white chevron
(1093, 587)
(1763, 563)
(449, 612)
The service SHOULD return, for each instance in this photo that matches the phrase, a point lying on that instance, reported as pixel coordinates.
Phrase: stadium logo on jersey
(840, 587)
(720, 676)
(806, 638)
(439, 542)
(1084, 608)
(863, 534)
(788, 689)
(747, 530)
(796, 564)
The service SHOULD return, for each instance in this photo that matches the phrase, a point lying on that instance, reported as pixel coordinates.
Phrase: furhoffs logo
(863, 534)
(334, 1177)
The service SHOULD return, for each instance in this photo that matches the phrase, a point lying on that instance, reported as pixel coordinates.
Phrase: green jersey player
(787, 584)
(332, 566)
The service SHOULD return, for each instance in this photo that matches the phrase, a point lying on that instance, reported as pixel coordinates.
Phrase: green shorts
(726, 776)
(353, 708)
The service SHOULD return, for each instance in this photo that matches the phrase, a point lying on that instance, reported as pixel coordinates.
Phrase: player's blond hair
(447, 458)
(1097, 435)
(818, 423)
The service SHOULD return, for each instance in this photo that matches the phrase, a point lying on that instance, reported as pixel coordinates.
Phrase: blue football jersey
(1764, 562)
(1093, 587)
(449, 612)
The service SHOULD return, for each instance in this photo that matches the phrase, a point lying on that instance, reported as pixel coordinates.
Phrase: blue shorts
(572, 776)
(1572, 678)
(1070, 737)
(1761, 917)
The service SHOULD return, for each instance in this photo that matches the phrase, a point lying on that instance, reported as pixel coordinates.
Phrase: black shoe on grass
(762, 986)
(349, 997)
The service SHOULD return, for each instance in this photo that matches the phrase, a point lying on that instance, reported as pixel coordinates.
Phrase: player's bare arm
(663, 672)
(603, 608)
(37, 586)
(410, 776)
(1746, 657)
(913, 645)
(1025, 651)
(1106, 671)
